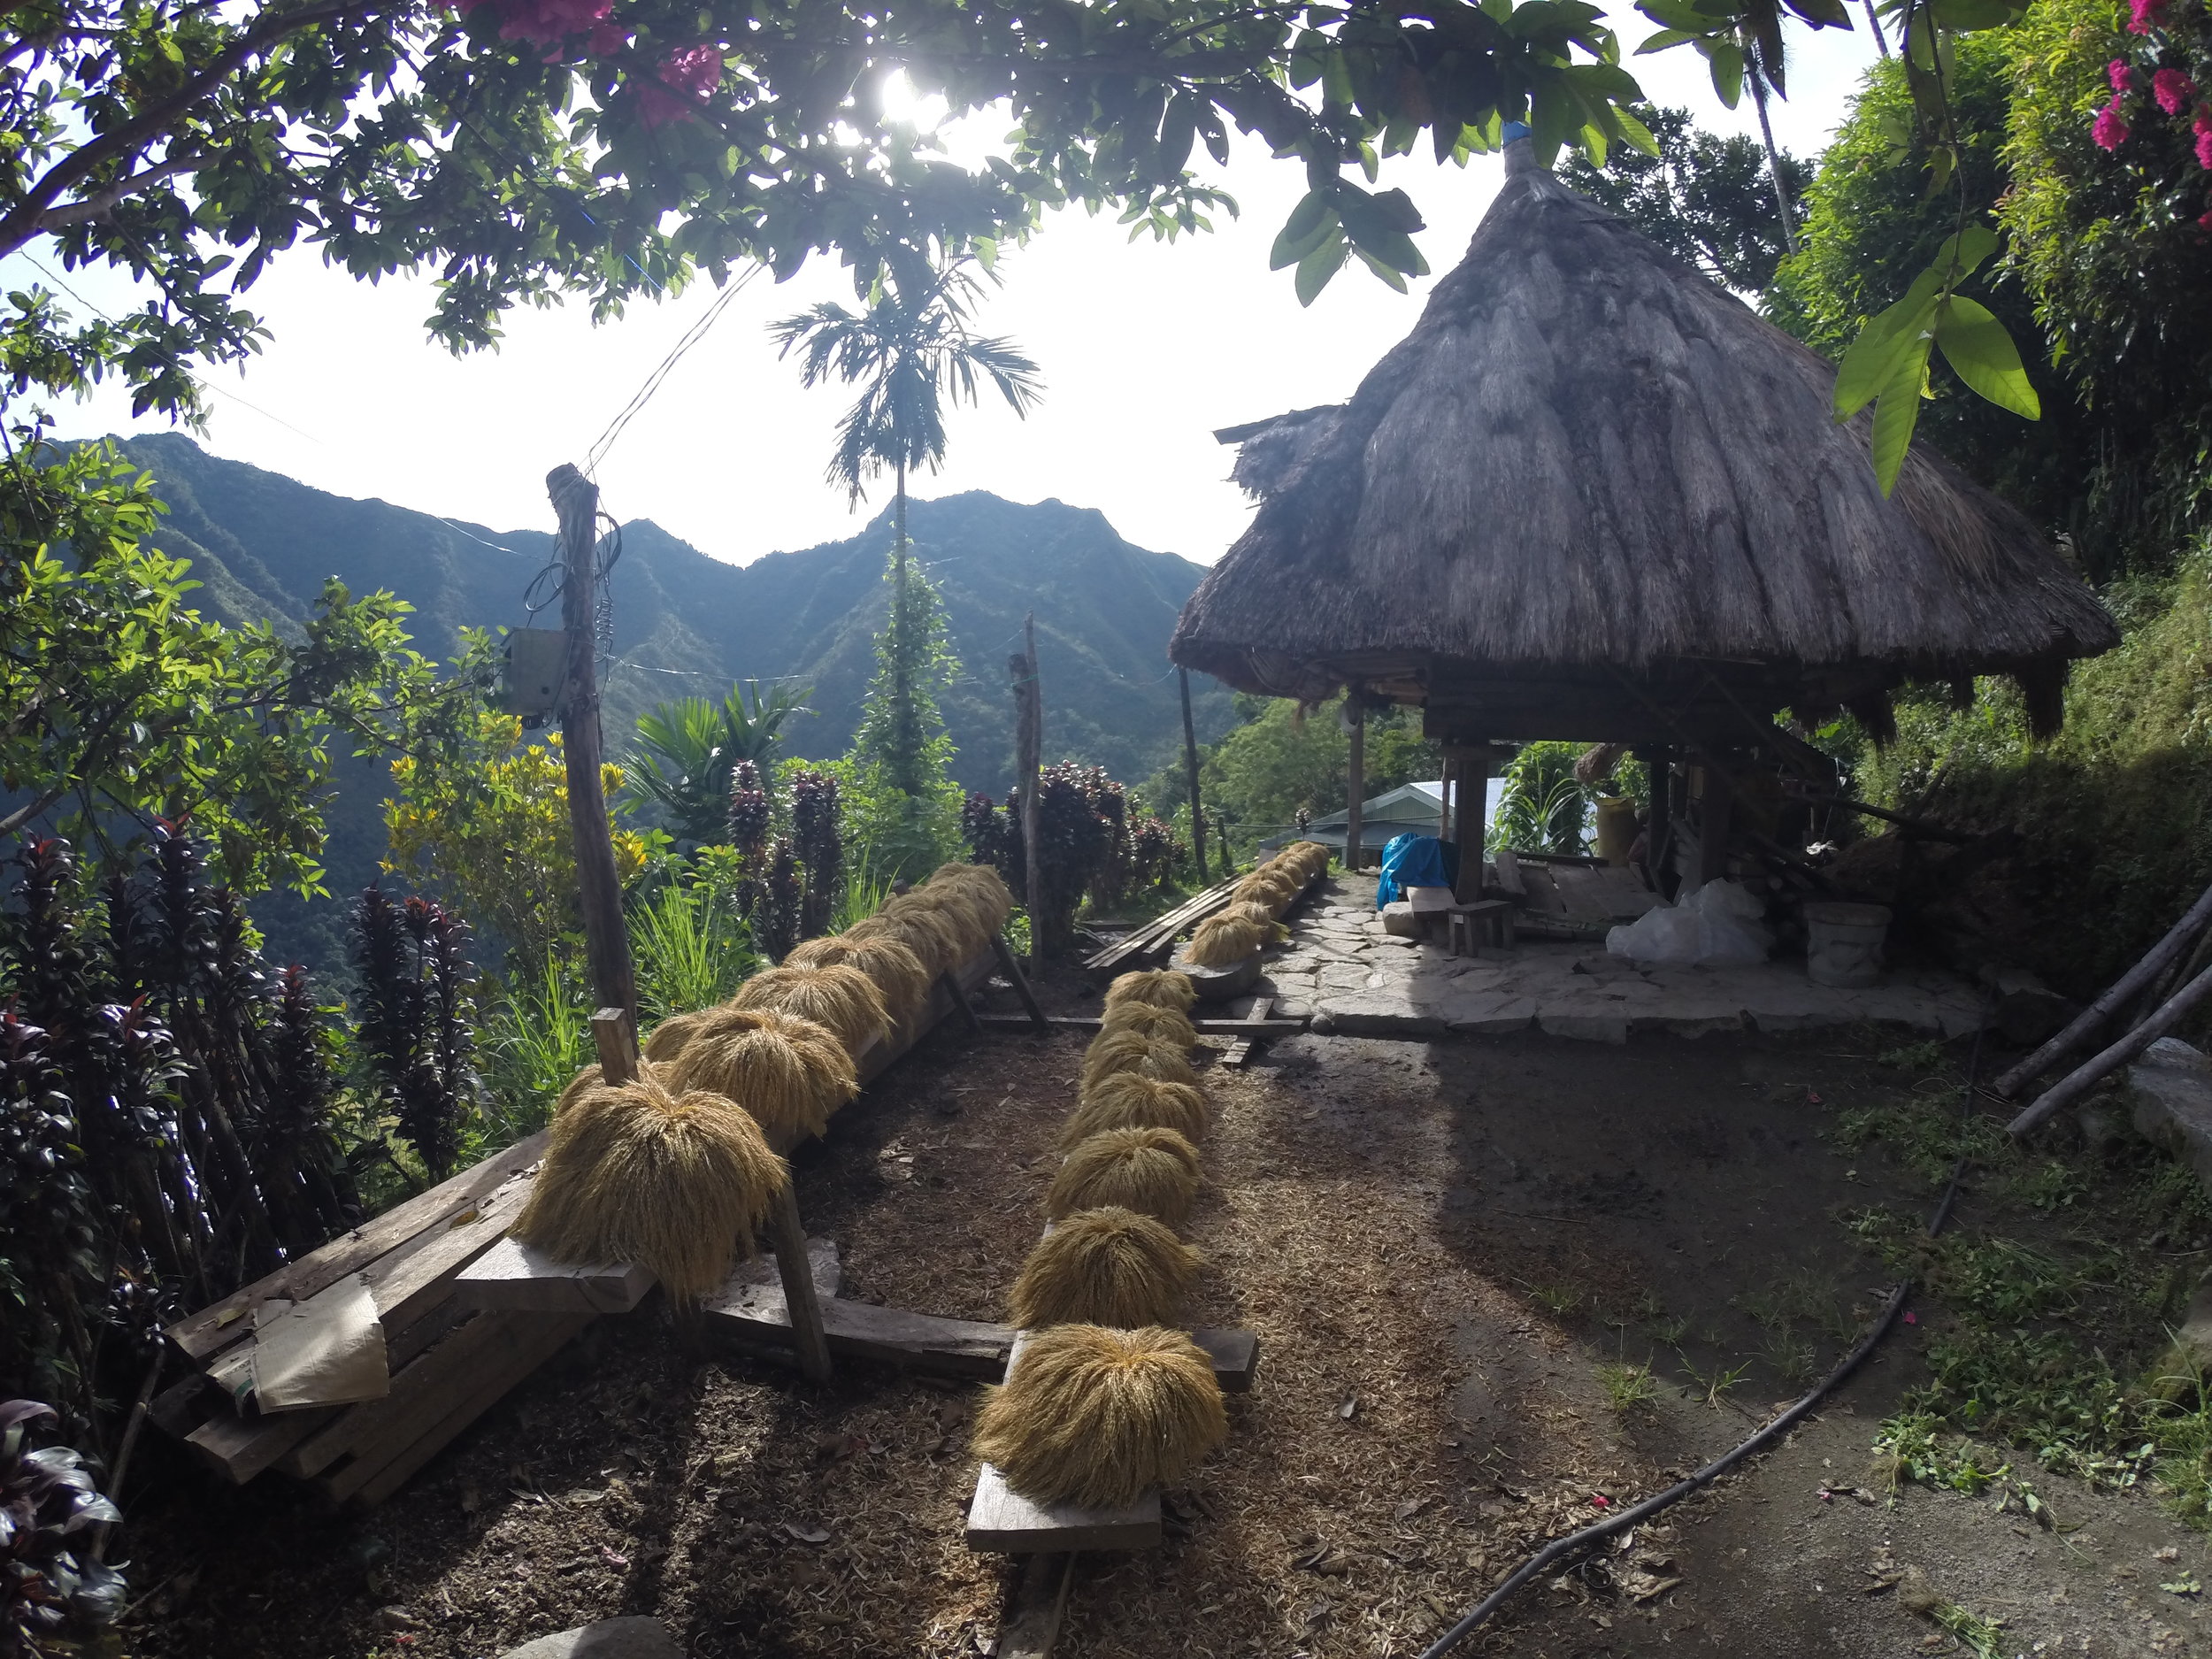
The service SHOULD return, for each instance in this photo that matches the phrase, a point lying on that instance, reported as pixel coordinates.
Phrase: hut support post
(1469, 770)
(1190, 767)
(1355, 780)
(606, 938)
(1718, 795)
(1444, 804)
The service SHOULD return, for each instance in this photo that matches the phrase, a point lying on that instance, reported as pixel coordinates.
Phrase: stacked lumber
(1150, 942)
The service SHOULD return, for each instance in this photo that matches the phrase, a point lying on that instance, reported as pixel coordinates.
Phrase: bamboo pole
(2134, 980)
(606, 938)
(1190, 767)
(2088, 1075)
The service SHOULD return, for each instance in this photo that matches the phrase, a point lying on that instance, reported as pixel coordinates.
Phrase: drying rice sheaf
(1160, 987)
(587, 1078)
(938, 939)
(1098, 1417)
(983, 888)
(666, 1040)
(1153, 1171)
(1162, 1025)
(641, 1173)
(842, 998)
(1105, 1266)
(1221, 942)
(1115, 1052)
(1259, 912)
(893, 966)
(789, 1072)
(1123, 1100)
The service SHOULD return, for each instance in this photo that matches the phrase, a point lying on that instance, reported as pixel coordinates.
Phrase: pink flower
(2173, 90)
(695, 72)
(2204, 149)
(2204, 222)
(605, 40)
(2120, 74)
(2145, 15)
(549, 22)
(2110, 128)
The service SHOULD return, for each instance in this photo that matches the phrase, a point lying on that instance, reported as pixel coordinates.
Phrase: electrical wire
(1579, 1542)
(654, 382)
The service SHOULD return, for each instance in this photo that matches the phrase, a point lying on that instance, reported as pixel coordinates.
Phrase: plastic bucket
(1617, 828)
(1843, 943)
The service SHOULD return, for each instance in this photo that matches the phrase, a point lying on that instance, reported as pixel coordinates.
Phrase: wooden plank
(1020, 980)
(1037, 1608)
(1235, 1356)
(1238, 1053)
(199, 1336)
(802, 1307)
(1001, 1521)
(409, 1285)
(1157, 934)
(1203, 1028)
(520, 1277)
(238, 1449)
(365, 1487)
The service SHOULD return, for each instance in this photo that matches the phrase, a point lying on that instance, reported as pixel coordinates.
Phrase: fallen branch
(2088, 1075)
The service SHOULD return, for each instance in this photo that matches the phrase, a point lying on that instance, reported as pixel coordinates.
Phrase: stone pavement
(1347, 973)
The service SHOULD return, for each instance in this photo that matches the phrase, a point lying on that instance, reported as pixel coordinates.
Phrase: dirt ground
(1442, 1246)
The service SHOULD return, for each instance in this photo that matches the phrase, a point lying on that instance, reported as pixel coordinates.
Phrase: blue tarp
(1414, 861)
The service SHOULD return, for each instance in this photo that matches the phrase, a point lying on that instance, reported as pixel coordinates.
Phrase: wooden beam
(1267, 1027)
(802, 1308)
(614, 1035)
(1020, 980)
(1712, 823)
(1238, 1053)
(1001, 1521)
(1142, 944)
(1190, 768)
(958, 997)
(1037, 1608)
(522, 1277)
(1471, 766)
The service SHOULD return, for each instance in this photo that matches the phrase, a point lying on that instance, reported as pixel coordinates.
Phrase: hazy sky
(1145, 349)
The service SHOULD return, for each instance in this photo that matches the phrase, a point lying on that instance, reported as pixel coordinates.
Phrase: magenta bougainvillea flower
(2121, 74)
(693, 72)
(549, 22)
(2110, 128)
(2173, 90)
(2146, 15)
(2204, 149)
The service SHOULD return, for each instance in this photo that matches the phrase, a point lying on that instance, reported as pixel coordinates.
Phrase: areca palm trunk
(1774, 157)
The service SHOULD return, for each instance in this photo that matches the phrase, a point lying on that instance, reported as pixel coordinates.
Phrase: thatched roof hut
(1593, 496)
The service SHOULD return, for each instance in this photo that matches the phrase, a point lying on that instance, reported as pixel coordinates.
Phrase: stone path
(1347, 973)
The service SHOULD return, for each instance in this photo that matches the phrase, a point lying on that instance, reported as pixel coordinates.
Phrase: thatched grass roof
(1588, 460)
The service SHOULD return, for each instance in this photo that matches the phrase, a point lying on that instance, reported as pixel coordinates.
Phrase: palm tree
(686, 750)
(912, 347)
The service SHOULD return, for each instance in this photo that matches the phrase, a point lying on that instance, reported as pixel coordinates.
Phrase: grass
(1629, 1387)
(1716, 1383)
(1559, 1301)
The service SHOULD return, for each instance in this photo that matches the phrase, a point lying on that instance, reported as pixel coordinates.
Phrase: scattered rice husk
(790, 1073)
(1221, 942)
(1162, 1025)
(1113, 1051)
(842, 998)
(1160, 987)
(675, 1180)
(1098, 1417)
(1153, 1171)
(1107, 1266)
(1125, 1100)
(897, 971)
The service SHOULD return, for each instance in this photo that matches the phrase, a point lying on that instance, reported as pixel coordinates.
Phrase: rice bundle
(1113, 1051)
(1259, 912)
(938, 939)
(1108, 1266)
(1223, 941)
(892, 966)
(1153, 1171)
(1270, 885)
(842, 998)
(1312, 857)
(1125, 1100)
(642, 1172)
(1162, 1025)
(788, 1072)
(981, 887)
(587, 1078)
(1155, 987)
(666, 1040)
(1098, 1417)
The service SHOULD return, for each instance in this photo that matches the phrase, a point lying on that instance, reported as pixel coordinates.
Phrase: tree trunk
(1774, 157)
(1190, 764)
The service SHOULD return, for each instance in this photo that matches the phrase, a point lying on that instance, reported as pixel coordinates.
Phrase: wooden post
(1355, 780)
(1470, 770)
(1190, 766)
(1712, 824)
(616, 1039)
(606, 938)
(788, 1238)
(1228, 864)
(1444, 804)
(1016, 978)
(1032, 737)
(1658, 815)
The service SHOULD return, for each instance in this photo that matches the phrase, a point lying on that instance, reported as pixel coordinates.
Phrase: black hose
(1575, 1543)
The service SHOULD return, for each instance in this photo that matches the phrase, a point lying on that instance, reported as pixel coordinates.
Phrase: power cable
(653, 381)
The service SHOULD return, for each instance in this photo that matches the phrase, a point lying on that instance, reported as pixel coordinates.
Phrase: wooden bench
(1471, 924)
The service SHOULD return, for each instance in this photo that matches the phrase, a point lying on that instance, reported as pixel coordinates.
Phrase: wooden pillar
(1470, 770)
(1032, 739)
(1712, 823)
(606, 937)
(1355, 778)
(1444, 805)
(1190, 766)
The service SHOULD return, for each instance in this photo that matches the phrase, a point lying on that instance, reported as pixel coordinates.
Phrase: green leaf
(1970, 246)
(1727, 66)
(1318, 267)
(1663, 39)
(1876, 357)
(1975, 14)
(1897, 411)
(1381, 269)
(1975, 344)
(1636, 133)
(1310, 223)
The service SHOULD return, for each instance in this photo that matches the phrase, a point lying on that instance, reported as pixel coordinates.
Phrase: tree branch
(101, 202)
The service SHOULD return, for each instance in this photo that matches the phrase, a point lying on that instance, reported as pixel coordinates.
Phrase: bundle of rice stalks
(1098, 1417)
(894, 968)
(788, 1072)
(1113, 1051)
(677, 1180)
(1272, 893)
(1125, 1100)
(842, 998)
(937, 938)
(1260, 912)
(1108, 1266)
(1221, 942)
(1312, 857)
(1162, 1025)
(981, 887)
(1158, 989)
(1153, 1171)
(666, 1040)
